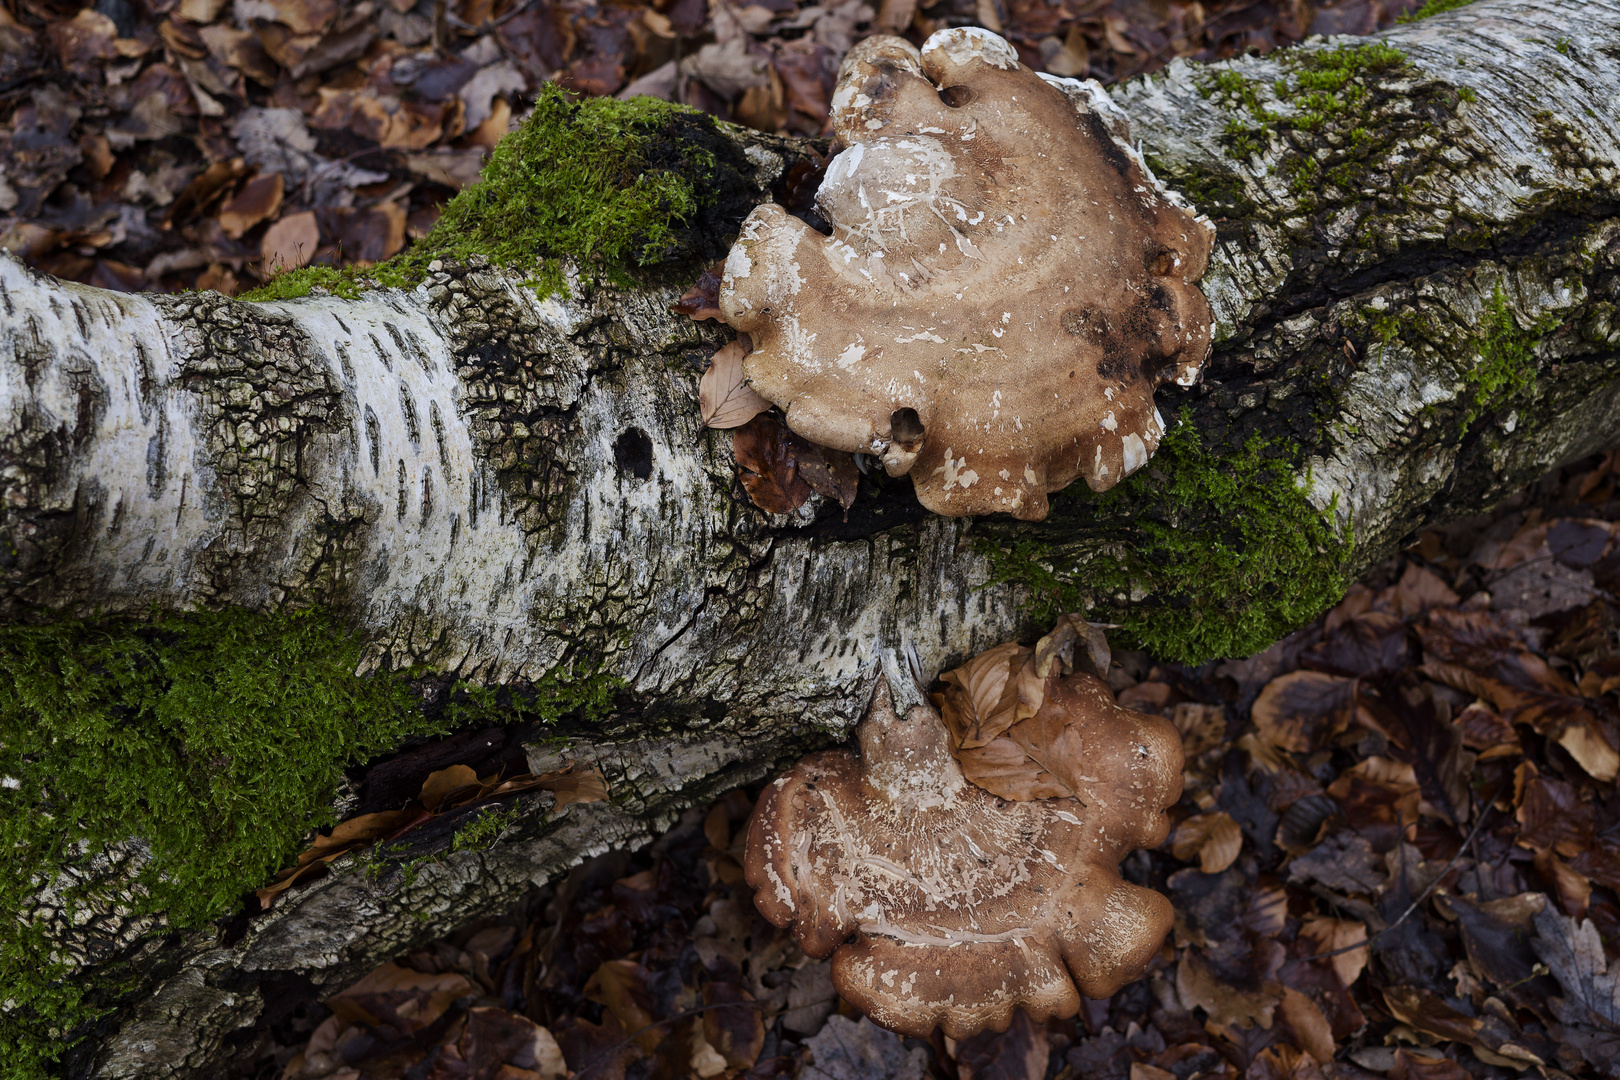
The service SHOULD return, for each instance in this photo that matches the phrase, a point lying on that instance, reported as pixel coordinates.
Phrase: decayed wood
(487, 483)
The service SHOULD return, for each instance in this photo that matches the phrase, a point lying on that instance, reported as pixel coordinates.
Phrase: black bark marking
(374, 437)
(632, 453)
(382, 353)
(157, 466)
(413, 429)
(404, 491)
(427, 493)
(438, 436)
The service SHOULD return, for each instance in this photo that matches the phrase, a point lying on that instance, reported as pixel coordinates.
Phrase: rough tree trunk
(1415, 293)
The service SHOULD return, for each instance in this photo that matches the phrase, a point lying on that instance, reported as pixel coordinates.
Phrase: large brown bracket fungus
(944, 905)
(1005, 285)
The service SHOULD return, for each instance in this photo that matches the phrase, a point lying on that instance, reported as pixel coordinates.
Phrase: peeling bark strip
(1414, 283)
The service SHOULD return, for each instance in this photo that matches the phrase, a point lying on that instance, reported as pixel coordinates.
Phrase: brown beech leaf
(1427, 1012)
(259, 199)
(1475, 652)
(1311, 1027)
(1050, 754)
(408, 1001)
(1378, 791)
(1330, 935)
(1426, 1065)
(290, 243)
(1574, 889)
(442, 783)
(767, 465)
(725, 400)
(1019, 1053)
(732, 1026)
(1283, 1062)
(1302, 710)
(1215, 838)
(621, 985)
(1551, 814)
(981, 697)
(832, 473)
(702, 300)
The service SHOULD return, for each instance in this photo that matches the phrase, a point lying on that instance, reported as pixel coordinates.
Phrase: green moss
(1211, 554)
(214, 741)
(1434, 7)
(1507, 366)
(1321, 90)
(606, 183)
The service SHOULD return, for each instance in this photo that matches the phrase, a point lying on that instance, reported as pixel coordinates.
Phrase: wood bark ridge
(496, 485)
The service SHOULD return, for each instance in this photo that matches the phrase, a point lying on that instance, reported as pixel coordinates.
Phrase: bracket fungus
(1005, 285)
(944, 905)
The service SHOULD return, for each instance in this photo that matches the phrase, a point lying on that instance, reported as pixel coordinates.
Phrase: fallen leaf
(725, 400)
(702, 300)
(832, 473)
(621, 985)
(1302, 710)
(846, 1049)
(258, 199)
(766, 466)
(1019, 1053)
(1215, 838)
(1329, 935)
(290, 243)
(981, 696)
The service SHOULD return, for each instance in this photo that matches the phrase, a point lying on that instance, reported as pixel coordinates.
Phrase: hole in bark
(632, 453)
(956, 96)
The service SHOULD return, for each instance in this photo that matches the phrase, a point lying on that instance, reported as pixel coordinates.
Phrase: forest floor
(173, 144)
(1397, 854)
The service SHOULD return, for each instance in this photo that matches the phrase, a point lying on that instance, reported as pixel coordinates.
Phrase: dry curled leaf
(701, 301)
(725, 400)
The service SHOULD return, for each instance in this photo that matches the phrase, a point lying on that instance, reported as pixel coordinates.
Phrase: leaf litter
(1388, 861)
(141, 143)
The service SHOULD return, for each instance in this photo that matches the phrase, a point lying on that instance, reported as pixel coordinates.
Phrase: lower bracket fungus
(943, 905)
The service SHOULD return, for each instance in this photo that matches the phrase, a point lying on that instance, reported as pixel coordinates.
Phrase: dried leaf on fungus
(725, 400)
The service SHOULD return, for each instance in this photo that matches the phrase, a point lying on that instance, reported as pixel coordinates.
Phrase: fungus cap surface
(944, 905)
(1005, 284)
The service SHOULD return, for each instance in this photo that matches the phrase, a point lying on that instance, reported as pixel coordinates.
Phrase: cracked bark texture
(494, 485)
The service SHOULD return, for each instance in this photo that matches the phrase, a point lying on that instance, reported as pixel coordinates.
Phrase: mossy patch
(1434, 7)
(160, 769)
(615, 186)
(1321, 88)
(1507, 366)
(1204, 555)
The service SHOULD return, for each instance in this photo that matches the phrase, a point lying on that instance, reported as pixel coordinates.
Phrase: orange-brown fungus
(944, 905)
(1004, 287)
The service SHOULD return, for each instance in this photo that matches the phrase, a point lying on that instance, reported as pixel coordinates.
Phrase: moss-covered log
(481, 467)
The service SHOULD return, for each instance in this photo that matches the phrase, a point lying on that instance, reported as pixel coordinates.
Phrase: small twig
(1479, 823)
